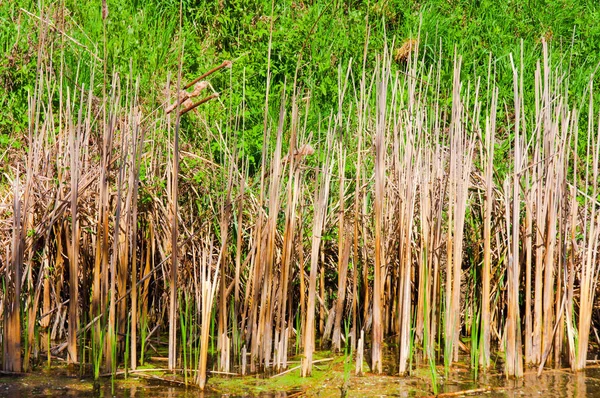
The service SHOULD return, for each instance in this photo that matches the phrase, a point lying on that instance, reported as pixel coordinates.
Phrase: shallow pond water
(65, 386)
(553, 384)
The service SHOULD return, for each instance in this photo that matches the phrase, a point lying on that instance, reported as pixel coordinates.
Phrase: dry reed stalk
(239, 311)
(225, 218)
(437, 194)
(528, 247)
(112, 333)
(380, 149)
(367, 301)
(590, 268)
(34, 171)
(293, 190)
(408, 210)
(101, 252)
(355, 255)
(564, 125)
(11, 358)
(74, 150)
(45, 274)
(570, 269)
(300, 249)
(321, 296)
(360, 197)
(320, 206)
(239, 242)
(108, 289)
(343, 255)
(485, 351)
(514, 363)
(412, 176)
(134, 181)
(205, 294)
(550, 204)
(538, 189)
(461, 150)
(122, 265)
(265, 327)
(423, 309)
(174, 199)
(252, 291)
(224, 64)
(259, 231)
(343, 242)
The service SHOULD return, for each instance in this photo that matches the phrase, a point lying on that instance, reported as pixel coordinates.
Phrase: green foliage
(310, 38)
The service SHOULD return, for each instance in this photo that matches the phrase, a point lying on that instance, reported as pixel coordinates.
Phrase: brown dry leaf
(404, 51)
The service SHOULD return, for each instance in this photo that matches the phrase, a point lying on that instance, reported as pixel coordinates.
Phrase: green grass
(316, 37)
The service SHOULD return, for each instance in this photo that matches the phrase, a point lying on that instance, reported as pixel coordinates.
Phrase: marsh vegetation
(421, 209)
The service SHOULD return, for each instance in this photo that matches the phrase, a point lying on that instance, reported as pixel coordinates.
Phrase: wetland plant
(422, 211)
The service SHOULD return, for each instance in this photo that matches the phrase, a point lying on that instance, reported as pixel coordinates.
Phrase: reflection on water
(63, 386)
(553, 384)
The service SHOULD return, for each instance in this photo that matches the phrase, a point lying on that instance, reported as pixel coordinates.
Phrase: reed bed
(394, 217)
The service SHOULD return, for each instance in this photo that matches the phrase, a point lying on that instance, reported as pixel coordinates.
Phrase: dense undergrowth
(311, 38)
(424, 173)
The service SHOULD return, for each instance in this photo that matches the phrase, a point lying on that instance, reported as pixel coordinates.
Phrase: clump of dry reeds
(412, 191)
